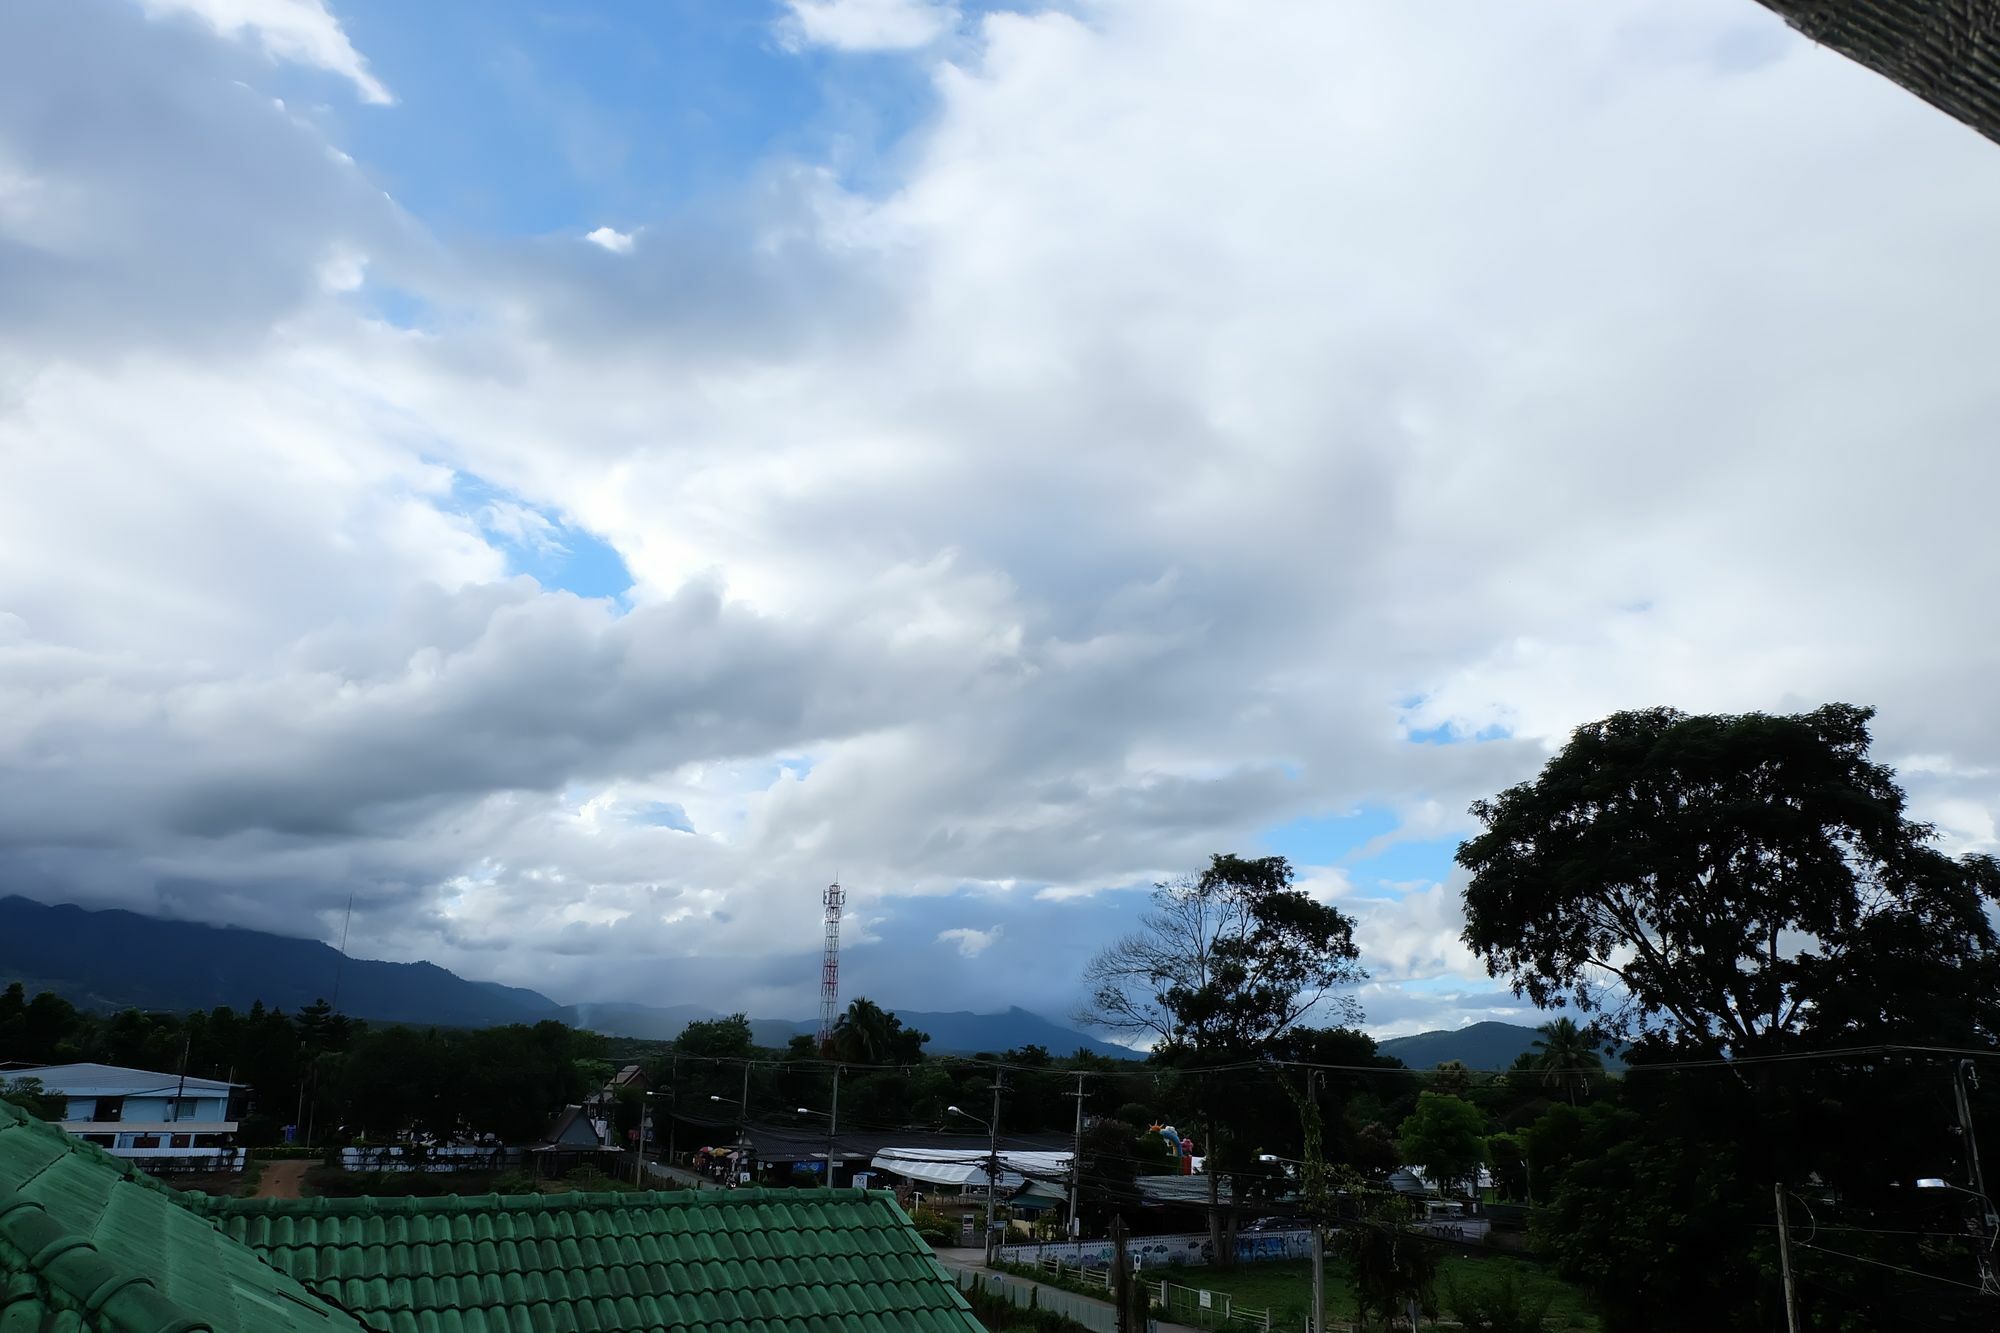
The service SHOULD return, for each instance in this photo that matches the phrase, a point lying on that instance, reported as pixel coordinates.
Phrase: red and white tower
(829, 972)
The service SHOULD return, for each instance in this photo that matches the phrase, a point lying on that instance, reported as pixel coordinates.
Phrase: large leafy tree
(1726, 881)
(1224, 965)
(1225, 962)
(1447, 1136)
(1742, 886)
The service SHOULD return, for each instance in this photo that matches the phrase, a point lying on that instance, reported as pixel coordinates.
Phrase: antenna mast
(829, 972)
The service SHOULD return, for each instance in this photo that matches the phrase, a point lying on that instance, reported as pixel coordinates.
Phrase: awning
(945, 1166)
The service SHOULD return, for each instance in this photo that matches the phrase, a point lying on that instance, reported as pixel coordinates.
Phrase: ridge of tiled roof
(90, 1245)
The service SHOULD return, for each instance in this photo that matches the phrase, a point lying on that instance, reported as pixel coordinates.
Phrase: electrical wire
(1898, 1268)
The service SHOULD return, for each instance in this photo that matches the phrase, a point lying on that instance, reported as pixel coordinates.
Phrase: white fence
(176, 1161)
(1190, 1249)
(1209, 1309)
(1093, 1315)
(458, 1157)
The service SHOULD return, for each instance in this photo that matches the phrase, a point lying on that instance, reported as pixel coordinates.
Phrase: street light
(645, 1123)
(992, 1162)
(1989, 1278)
(831, 1122)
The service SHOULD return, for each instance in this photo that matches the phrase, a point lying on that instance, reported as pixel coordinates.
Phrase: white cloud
(1122, 479)
(617, 242)
(971, 943)
(867, 25)
(296, 30)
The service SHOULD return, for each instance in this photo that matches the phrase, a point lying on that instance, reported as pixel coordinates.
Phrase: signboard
(965, 1233)
(1208, 1300)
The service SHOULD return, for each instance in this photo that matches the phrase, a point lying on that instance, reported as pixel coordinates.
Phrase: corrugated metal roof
(93, 1080)
(942, 1166)
(1945, 51)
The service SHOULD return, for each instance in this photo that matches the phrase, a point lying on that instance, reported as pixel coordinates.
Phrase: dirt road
(282, 1180)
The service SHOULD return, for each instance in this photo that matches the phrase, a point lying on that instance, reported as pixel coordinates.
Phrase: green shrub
(1502, 1306)
(933, 1228)
(516, 1182)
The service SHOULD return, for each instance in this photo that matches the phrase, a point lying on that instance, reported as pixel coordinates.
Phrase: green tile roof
(746, 1261)
(88, 1245)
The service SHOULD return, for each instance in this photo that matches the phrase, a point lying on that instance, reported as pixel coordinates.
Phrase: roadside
(1087, 1310)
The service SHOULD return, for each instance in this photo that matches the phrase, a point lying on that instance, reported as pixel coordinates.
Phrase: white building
(141, 1114)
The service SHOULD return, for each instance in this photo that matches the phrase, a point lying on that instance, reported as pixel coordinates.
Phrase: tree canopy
(1225, 962)
(1446, 1135)
(1722, 880)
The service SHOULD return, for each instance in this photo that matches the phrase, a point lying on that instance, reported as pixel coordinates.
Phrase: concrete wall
(1193, 1248)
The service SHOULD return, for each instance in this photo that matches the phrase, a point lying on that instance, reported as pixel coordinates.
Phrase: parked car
(1280, 1224)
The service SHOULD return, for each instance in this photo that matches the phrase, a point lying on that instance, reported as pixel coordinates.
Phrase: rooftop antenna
(829, 972)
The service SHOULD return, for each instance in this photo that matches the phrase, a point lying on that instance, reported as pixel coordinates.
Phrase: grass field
(1286, 1288)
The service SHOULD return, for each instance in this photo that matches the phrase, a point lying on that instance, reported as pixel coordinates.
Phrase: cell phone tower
(829, 972)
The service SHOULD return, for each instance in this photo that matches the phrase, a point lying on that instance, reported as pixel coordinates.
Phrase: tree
(1390, 1265)
(28, 1094)
(716, 1038)
(1453, 1078)
(1722, 879)
(1447, 1136)
(1224, 964)
(868, 1034)
(1566, 1055)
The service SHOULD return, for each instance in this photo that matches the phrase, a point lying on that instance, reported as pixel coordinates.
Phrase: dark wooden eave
(1945, 51)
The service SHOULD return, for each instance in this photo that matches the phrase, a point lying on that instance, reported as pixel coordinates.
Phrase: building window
(181, 1141)
(110, 1110)
(102, 1140)
(145, 1140)
(180, 1108)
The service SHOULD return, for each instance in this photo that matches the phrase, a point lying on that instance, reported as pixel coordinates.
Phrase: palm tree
(861, 1035)
(1567, 1055)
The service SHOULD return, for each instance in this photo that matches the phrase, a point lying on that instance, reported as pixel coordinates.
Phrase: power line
(1897, 1268)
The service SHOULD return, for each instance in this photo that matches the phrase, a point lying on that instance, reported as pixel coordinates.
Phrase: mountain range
(1487, 1045)
(116, 959)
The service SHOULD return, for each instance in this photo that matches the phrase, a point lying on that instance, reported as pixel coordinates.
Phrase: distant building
(139, 1113)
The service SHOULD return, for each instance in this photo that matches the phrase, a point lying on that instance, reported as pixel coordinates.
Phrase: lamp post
(645, 1123)
(992, 1159)
(832, 1122)
(742, 1125)
(1989, 1224)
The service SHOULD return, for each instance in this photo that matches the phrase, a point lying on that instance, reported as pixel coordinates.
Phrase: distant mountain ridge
(1487, 1045)
(116, 959)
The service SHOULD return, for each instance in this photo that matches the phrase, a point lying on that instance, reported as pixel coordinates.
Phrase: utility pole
(832, 1124)
(673, 1117)
(993, 1160)
(1076, 1162)
(1319, 1277)
(1121, 1278)
(1989, 1217)
(180, 1092)
(1785, 1260)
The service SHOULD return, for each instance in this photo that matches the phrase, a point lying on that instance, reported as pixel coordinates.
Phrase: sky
(574, 478)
